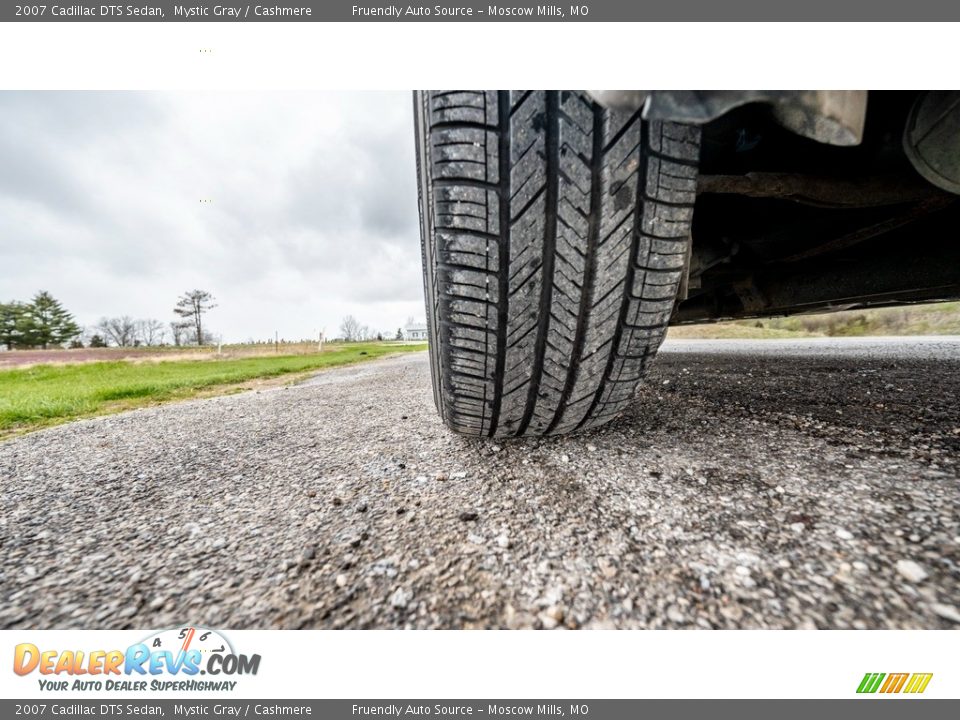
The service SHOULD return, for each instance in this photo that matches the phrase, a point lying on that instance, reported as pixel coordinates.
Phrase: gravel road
(770, 484)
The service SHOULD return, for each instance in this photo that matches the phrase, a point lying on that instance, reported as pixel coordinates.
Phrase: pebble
(401, 598)
(468, 516)
(733, 613)
(341, 580)
(844, 534)
(947, 612)
(552, 617)
(911, 571)
(607, 567)
(674, 614)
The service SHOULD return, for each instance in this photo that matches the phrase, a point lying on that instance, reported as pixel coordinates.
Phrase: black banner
(467, 11)
(852, 709)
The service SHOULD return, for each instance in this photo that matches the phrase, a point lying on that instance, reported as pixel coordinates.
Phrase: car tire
(554, 236)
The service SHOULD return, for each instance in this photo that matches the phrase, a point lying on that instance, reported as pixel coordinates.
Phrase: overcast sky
(313, 213)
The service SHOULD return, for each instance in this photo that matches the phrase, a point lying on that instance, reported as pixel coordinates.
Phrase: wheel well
(784, 224)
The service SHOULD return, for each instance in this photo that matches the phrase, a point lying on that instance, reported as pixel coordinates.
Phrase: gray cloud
(313, 211)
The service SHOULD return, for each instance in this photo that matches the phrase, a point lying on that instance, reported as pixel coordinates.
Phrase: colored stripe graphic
(870, 682)
(895, 683)
(918, 682)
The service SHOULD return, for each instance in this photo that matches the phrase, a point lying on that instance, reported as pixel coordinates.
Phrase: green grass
(926, 319)
(43, 395)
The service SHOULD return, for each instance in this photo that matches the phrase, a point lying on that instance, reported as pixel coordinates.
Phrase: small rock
(911, 571)
(469, 516)
(441, 477)
(674, 614)
(798, 527)
(313, 493)
(551, 617)
(362, 506)
(401, 598)
(503, 540)
(733, 613)
(341, 580)
(844, 534)
(607, 567)
(947, 612)
(591, 448)
(564, 458)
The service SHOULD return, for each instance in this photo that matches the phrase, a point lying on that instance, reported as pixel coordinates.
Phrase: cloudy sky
(312, 211)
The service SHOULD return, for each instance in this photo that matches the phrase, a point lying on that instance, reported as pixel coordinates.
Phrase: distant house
(415, 331)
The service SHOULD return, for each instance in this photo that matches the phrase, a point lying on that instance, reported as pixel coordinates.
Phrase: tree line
(44, 322)
(352, 331)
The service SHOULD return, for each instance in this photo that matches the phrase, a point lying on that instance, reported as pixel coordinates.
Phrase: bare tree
(150, 332)
(178, 332)
(120, 331)
(350, 329)
(191, 306)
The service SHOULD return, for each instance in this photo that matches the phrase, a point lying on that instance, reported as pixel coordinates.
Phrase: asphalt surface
(752, 484)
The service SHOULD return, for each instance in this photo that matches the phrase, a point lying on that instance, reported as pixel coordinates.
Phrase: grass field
(928, 319)
(41, 395)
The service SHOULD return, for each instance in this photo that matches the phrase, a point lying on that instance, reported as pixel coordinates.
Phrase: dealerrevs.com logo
(169, 660)
(890, 683)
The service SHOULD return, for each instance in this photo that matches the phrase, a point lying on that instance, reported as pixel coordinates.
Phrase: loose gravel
(744, 489)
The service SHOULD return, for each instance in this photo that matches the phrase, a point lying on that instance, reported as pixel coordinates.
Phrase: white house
(415, 330)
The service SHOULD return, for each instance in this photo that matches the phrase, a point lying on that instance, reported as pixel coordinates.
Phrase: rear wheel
(554, 239)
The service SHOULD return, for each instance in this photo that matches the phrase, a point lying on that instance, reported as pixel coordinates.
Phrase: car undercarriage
(786, 224)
